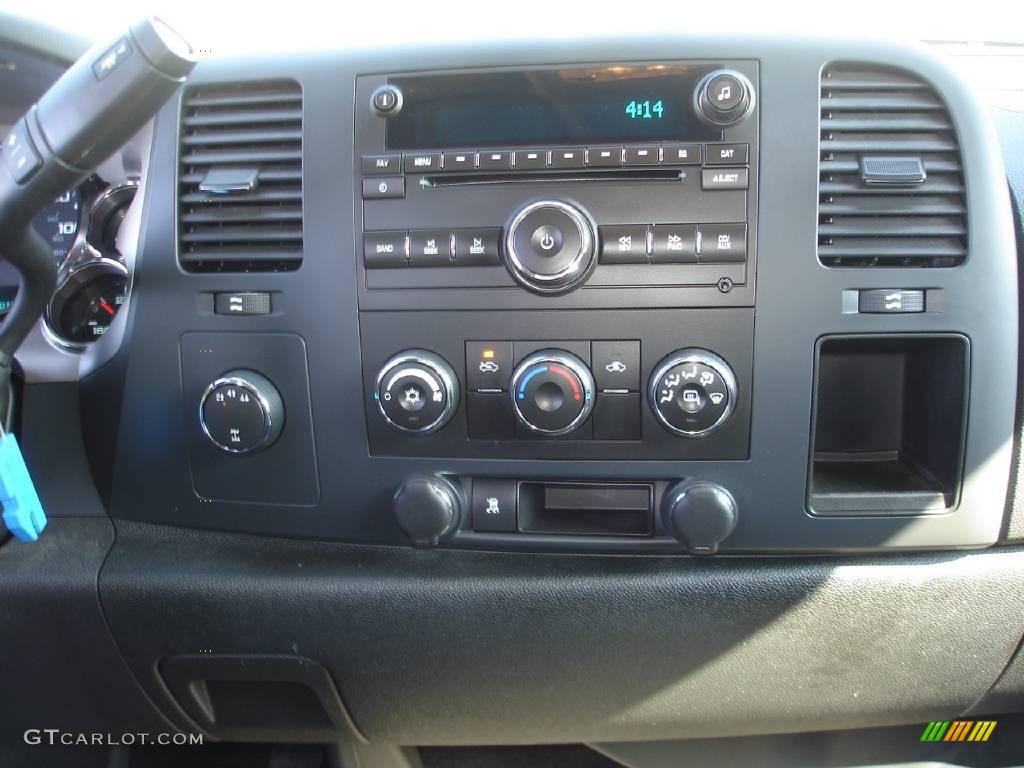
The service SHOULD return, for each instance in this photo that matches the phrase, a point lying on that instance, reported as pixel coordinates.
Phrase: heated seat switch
(552, 392)
(692, 392)
(417, 392)
(241, 412)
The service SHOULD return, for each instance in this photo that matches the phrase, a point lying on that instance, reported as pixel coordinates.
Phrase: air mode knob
(692, 392)
(550, 246)
(241, 412)
(700, 515)
(417, 392)
(552, 392)
(723, 98)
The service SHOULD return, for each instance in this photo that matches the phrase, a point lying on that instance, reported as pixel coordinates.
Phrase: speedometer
(58, 223)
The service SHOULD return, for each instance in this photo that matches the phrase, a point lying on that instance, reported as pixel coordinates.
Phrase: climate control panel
(461, 391)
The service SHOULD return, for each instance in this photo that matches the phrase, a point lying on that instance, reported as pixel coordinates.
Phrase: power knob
(723, 98)
(417, 392)
(241, 412)
(700, 515)
(550, 246)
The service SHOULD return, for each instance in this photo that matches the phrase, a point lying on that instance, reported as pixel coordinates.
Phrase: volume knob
(550, 246)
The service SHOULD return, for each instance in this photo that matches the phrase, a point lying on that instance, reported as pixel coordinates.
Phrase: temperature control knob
(550, 246)
(242, 412)
(692, 392)
(552, 392)
(723, 98)
(417, 392)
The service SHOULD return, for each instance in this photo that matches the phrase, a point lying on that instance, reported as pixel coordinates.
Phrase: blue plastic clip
(23, 514)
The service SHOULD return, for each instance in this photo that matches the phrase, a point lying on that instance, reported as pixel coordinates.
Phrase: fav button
(378, 165)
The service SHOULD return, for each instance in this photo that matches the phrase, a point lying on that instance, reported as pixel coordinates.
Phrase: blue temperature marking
(525, 381)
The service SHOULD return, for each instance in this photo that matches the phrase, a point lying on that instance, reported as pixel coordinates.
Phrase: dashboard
(419, 320)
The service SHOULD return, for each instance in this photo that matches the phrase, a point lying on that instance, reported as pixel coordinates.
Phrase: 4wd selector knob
(552, 392)
(417, 391)
(692, 392)
(550, 246)
(241, 412)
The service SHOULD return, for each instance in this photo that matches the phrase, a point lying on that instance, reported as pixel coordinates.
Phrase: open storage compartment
(889, 424)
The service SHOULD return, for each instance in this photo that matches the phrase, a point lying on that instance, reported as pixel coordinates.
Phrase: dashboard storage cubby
(889, 421)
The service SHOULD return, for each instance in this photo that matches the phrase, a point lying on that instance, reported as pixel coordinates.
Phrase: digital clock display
(567, 107)
(646, 109)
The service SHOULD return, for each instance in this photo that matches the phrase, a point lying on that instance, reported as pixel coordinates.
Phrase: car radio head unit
(638, 180)
(550, 107)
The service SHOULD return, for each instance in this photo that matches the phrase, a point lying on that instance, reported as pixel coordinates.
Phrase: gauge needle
(107, 308)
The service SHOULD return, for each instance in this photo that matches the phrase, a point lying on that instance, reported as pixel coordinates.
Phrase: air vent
(240, 204)
(891, 187)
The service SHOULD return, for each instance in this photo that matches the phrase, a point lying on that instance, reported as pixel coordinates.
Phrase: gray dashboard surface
(430, 647)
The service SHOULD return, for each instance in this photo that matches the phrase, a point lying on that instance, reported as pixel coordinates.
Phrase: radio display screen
(572, 106)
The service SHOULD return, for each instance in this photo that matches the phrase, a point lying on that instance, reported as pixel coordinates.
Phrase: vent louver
(240, 182)
(880, 128)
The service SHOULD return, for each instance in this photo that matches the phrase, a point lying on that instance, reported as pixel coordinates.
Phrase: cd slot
(518, 177)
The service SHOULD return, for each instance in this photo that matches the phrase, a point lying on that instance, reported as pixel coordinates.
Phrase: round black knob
(241, 412)
(700, 515)
(386, 101)
(724, 97)
(428, 509)
(692, 392)
(552, 392)
(550, 246)
(417, 392)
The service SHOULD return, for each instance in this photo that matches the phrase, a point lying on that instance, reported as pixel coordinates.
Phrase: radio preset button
(643, 155)
(624, 244)
(530, 159)
(495, 160)
(723, 243)
(604, 157)
(430, 248)
(724, 178)
(728, 154)
(674, 244)
(477, 247)
(681, 154)
(381, 188)
(568, 157)
(382, 250)
(459, 161)
(423, 162)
